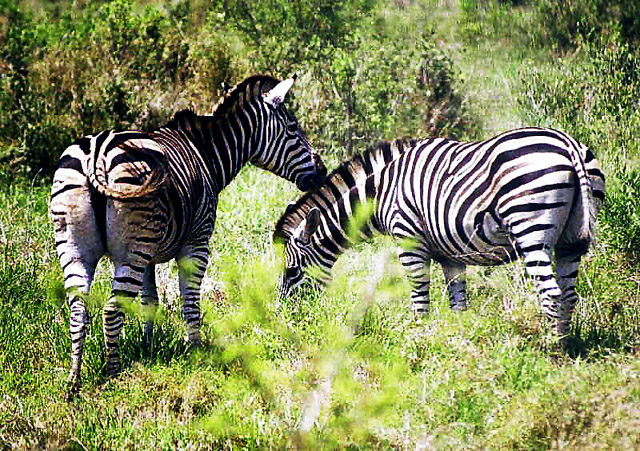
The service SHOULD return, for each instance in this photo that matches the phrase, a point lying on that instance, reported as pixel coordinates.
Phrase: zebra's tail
(587, 203)
(129, 168)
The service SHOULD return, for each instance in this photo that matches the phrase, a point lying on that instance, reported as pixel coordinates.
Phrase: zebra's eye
(292, 127)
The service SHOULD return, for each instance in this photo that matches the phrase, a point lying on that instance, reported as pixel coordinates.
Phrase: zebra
(148, 197)
(524, 193)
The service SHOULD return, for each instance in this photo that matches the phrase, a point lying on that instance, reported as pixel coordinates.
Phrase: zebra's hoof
(459, 306)
(72, 391)
(563, 328)
(113, 369)
(420, 312)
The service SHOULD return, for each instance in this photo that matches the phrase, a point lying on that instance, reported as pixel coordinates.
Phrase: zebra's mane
(229, 99)
(351, 169)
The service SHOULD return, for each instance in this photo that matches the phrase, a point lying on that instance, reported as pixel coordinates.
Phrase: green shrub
(366, 74)
(115, 65)
(621, 217)
(496, 19)
(285, 34)
(569, 24)
(383, 89)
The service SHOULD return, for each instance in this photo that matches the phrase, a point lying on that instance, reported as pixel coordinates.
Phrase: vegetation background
(349, 366)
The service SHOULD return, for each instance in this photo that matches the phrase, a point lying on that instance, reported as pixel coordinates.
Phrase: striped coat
(526, 193)
(145, 198)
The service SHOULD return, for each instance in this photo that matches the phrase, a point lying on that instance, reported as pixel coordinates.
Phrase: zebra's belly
(165, 253)
(477, 242)
(173, 242)
(486, 255)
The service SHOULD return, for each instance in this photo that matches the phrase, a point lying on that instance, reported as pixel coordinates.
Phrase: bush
(495, 19)
(382, 91)
(94, 68)
(80, 69)
(569, 24)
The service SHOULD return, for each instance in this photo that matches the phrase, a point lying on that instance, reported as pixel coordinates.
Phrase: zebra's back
(477, 203)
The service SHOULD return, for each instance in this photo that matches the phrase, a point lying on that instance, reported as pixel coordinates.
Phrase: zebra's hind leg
(567, 268)
(79, 246)
(454, 274)
(417, 265)
(192, 264)
(133, 232)
(78, 324)
(78, 274)
(112, 322)
(149, 300)
(537, 262)
(128, 282)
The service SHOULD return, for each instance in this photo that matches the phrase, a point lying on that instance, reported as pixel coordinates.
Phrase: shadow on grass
(167, 344)
(594, 343)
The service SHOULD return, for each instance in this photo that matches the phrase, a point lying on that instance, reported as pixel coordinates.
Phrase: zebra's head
(298, 247)
(286, 151)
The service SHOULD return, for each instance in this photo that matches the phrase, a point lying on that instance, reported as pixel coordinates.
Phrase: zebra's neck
(225, 140)
(225, 144)
(352, 184)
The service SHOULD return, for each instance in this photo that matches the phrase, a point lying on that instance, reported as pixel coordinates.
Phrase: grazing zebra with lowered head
(524, 193)
(145, 198)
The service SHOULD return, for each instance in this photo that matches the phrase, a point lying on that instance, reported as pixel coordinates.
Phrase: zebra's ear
(226, 87)
(310, 226)
(292, 205)
(276, 96)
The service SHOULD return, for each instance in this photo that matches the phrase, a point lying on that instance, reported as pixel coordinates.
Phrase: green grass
(489, 377)
(345, 367)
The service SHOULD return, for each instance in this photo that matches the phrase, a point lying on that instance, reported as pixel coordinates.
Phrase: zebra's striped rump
(149, 197)
(530, 193)
(132, 165)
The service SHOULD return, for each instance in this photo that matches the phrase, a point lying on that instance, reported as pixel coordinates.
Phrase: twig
(3, 236)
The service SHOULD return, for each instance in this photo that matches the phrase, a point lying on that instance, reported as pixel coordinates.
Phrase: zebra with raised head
(146, 198)
(524, 193)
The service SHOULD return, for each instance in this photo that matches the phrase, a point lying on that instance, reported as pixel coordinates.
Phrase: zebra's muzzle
(314, 180)
(308, 183)
(284, 290)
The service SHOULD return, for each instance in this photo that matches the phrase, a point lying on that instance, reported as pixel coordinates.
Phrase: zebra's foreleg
(149, 300)
(537, 262)
(417, 265)
(454, 274)
(192, 264)
(567, 268)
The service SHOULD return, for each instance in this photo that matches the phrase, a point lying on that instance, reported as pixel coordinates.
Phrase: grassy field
(346, 367)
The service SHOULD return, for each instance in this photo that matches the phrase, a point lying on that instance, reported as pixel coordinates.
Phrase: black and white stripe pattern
(527, 193)
(145, 198)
